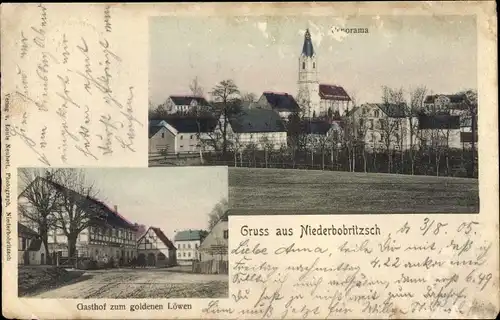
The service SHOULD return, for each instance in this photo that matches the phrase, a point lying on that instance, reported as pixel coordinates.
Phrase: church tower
(308, 95)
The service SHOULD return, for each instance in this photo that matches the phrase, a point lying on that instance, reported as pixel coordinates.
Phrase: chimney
(116, 208)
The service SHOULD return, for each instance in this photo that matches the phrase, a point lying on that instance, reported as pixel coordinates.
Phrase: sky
(261, 53)
(169, 198)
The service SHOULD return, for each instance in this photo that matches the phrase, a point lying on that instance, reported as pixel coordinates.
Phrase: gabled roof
(454, 98)
(35, 245)
(159, 233)
(281, 101)
(317, 126)
(24, 230)
(186, 100)
(307, 48)
(154, 130)
(101, 212)
(257, 120)
(442, 121)
(332, 92)
(190, 235)
(392, 110)
(193, 124)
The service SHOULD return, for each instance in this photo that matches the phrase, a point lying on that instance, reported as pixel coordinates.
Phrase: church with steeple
(317, 99)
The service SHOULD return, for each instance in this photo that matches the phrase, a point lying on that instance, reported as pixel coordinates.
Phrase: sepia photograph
(366, 114)
(122, 233)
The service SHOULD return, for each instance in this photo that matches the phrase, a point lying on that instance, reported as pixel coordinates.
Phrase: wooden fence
(211, 267)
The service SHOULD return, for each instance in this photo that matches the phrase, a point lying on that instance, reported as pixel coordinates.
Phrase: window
(381, 124)
(314, 65)
(184, 254)
(189, 245)
(376, 113)
(178, 254)
(181, 137)
(196, 245)
(361, 123)
(303, 65)
(189, 254)
(191, 137)
(163, 135)
(226, 234)
(371, 124)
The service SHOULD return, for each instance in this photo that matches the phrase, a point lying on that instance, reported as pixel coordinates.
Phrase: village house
(215, 245)
(180, 135)
(156, 249)
(187, 243)
(318, 99)
(441, 131)
(453, 104)
(186, 104)
(108, 234)
(282, 103)
(30, 248)
(321, 134)
(382, 125)
(261, 128)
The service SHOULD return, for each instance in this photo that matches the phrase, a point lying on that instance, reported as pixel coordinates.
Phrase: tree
(227, 97)
(361, 132)
(417, 96)
(196, 88)
(218, 211)
(41, 201)
(391, 126)
(77, 211)
(268, 147)
(471, 111)
(249, 97)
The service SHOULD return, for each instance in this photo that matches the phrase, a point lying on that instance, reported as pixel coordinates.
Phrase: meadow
(291, 191)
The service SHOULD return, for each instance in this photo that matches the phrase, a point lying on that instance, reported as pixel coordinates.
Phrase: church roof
(332, 92)
(307, 49)
(281, 101)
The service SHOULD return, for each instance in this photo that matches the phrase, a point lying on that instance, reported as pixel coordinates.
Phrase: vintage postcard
(250, 161)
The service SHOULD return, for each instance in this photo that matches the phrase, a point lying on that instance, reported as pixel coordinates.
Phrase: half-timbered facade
(154, 248)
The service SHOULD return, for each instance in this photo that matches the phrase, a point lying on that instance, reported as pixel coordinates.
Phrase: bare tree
(248, 97)
(268, 147)
(417, 96)
(218, 211)
(471, 105)
(196, 88)
(77, 209)
(227, 96)
(39, 202)
(361, 134)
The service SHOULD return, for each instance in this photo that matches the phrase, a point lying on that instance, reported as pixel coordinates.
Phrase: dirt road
(141, 283)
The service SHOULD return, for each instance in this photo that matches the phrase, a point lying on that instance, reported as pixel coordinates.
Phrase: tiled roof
(434, 122)
(189, 235)
(162, 237)
(101, 212)
(257, 120)
(24, 230)
(281, 101)
(454, 98)
(315, 127)
(307, 48)
(154, 130)
(193, 124)
(332, 92)
(394, 110)
(186, 100)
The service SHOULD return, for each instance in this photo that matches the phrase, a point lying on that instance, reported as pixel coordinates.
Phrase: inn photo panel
(122, 233)
(309, 121)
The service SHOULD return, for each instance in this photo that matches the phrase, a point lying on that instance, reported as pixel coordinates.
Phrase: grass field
(259, 191)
